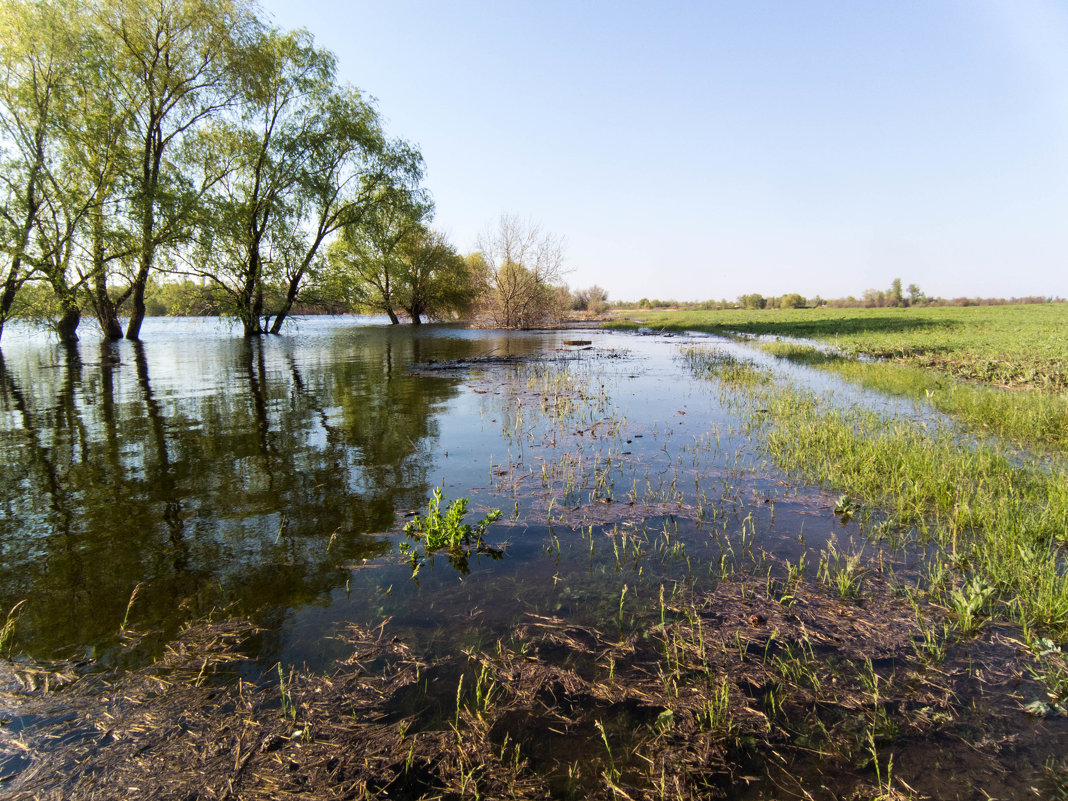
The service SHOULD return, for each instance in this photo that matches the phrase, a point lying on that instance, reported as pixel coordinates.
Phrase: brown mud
(760, 688)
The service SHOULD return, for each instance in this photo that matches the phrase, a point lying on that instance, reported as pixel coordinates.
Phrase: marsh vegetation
(721, 568)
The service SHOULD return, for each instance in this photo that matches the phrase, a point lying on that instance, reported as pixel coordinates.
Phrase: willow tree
(365, 265)
(307, 159)
(350, 165)
(75, 240)
(178, 63)
(35, 69)
(265, 143)
(100, 152)
(435, 281)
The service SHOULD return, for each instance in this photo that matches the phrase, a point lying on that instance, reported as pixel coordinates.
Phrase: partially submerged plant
(841, 571)
(717, 363)
(447, 532)
(1051, 671)
(845, 507)
(968, 603)
(7, 632)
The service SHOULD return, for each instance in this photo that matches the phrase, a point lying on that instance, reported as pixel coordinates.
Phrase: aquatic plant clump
(447, 532)
(715, 363)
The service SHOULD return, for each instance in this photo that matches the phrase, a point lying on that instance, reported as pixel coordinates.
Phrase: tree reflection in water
(221, 472)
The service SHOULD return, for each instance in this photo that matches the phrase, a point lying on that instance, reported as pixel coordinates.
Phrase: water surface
(272, 477)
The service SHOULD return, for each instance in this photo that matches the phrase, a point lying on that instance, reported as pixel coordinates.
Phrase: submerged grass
(997, 522)
(711, 363)
(1027, 418)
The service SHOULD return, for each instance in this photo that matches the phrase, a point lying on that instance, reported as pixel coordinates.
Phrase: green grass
(999, 524)
(1026, 418)
(1019, 346)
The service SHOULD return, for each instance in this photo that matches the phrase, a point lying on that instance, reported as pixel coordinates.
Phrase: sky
(698, 150)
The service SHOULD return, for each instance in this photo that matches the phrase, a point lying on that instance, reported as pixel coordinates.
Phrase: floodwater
(271, 478)
(202, 476)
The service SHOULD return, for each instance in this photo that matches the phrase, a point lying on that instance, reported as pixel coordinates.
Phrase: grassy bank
(1026, 418)
(1017, 346)
(1000, 527)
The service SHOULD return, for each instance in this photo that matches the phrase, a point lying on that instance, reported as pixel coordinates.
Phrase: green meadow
(1015, 346)
(1000, 370)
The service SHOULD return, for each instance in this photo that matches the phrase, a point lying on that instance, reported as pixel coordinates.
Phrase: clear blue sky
(697, 150)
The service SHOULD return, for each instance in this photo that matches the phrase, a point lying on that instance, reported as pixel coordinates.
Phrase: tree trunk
(137, 313)
(149, 189)
(250, 299)
(106, 313)
(291, 297)
(392, 317)
(7, 299)
(15, 278)
(67, 325)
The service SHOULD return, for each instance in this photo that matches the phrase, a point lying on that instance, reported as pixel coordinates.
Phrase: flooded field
(219, 559)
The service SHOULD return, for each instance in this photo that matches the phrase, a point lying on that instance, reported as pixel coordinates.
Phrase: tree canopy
(190, 139)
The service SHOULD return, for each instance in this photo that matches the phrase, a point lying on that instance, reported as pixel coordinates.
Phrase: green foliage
(183, 137)
(181, 298)
(1050, 669)
(1001, 517)
(841, 571)
(968, 603)
(392, 262)
(434, 281)
(752, 302)
(447, 532)
(845, 507)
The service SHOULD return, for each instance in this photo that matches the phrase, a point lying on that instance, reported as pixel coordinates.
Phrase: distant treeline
(894, 297)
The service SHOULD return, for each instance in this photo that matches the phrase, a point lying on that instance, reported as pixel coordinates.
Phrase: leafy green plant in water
(968, 602)
(447, 532)
(846, 508)
(1051, 671)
